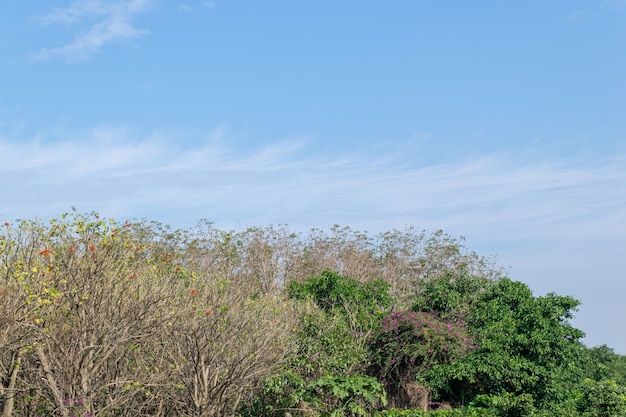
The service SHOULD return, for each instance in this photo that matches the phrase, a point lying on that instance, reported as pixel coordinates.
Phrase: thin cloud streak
(113, 23)
(557, 223)
(279, 182)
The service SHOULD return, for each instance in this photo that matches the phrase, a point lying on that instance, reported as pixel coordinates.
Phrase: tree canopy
(107, 318)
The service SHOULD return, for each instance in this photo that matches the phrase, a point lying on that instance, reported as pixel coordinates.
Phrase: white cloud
(107, 21)
(496, 200)
(559, 223)
(283, 184)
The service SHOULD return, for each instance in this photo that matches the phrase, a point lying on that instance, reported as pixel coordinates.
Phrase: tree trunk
(9, 392)
(52, 384)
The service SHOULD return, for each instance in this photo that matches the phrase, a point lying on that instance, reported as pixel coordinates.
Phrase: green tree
(603, 363)
(333, 334)
(362, 303)
(525, 346)
(330, 348)
(453, 296)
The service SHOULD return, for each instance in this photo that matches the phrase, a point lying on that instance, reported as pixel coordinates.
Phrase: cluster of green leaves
(332, 336)
(524, 344)
(361, 303)
(338, 395)
(602, 363)
(527, 346)
(452, 296)
(457, 412)
(600, 398)
(330, 349)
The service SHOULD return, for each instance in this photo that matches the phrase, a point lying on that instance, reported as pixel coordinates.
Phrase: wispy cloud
(196, 8)
(559, 223)
(280, 183)
(107, 22)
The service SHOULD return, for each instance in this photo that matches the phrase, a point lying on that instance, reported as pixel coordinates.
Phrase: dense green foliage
(605, 364)
(332, 338)
(103, 318)
(524, 346)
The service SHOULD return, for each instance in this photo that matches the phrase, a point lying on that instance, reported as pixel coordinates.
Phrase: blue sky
(500, 121)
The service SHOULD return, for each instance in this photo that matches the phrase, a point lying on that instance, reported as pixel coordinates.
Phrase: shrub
(347, 395)
(506, 405)
(409, 345)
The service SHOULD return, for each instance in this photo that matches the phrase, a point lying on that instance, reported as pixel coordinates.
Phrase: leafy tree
(330, 350)
(333, 338)
(525, 346)
(506, 405)
(452, 296)
(603, 364)
(361, 303)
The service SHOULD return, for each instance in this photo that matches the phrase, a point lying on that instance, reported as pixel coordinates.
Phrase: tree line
(107, 318)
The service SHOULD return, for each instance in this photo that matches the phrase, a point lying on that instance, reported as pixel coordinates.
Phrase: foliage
(104, 318)
(452, 296)
(507, 404)
(333, 338)
(330, 344)
(601, 399)
(337, 395)
(326, 344)
(362, 304)
(107, 319)
(525, 346)
(456, 412)
(409, 344)
(603, 364)
(282, 392)
(351, 395)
